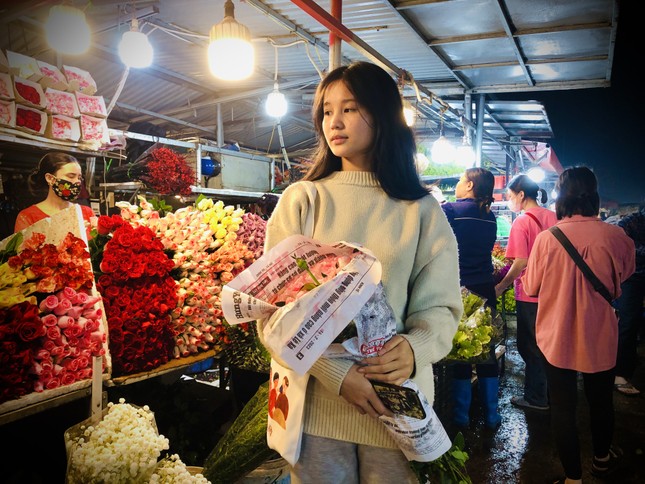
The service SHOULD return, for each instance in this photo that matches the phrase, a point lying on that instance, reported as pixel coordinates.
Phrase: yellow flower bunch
(14, 287)
(224, 220)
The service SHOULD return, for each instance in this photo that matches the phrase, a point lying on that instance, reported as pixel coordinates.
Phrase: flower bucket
(194, 470)
(274, 471)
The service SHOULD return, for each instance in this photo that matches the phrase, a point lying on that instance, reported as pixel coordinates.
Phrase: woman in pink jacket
(576, 327)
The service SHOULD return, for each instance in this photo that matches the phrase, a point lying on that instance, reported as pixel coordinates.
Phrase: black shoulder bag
(577, 258)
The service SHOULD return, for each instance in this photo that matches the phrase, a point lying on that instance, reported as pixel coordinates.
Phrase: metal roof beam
(544, 86)
(443, 58)
(507, 23)
(242, 95)
(520, 33)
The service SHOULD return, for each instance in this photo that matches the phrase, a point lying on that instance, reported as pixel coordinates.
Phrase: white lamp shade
(66, 30)
(230, 53)
(276, 104)
(465, 156)
(443, 151)
(135, 49)
(536, 174)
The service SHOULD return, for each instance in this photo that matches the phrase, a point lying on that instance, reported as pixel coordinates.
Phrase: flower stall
(52, 324)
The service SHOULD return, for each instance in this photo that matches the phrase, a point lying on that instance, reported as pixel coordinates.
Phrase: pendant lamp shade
(230, 53)
(276, 104)
(135, 49)
(66, 30)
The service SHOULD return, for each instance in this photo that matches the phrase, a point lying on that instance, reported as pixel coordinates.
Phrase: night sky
(604, 128)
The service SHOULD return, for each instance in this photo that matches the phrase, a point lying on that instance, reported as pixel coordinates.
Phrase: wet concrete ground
(522, 449)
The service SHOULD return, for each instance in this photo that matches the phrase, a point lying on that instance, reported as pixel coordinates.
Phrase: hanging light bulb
(66, 30)
(464, 154)
(443, 151)
(536, 174)
(276, 104)
(135, 49)
(408, 113)
(230, 53)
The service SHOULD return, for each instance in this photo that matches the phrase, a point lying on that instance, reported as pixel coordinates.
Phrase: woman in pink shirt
(523, 195)
(577, 328)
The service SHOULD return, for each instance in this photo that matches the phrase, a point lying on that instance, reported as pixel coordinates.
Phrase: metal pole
(220, 128)
(334, 40)
(480, 130)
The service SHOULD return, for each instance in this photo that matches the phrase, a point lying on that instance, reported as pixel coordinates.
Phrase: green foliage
(443, 170)
(509, 301)
(244, 445)
(243, 348)
(11, 249)
(160, 205)
(476, 331)
(450, 468)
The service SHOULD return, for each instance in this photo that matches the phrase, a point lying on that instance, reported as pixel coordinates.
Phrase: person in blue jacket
(475, 228)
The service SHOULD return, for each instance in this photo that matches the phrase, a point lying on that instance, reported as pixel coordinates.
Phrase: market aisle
(521, 451)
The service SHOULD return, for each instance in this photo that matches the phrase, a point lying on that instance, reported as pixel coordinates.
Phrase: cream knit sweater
(418, 252)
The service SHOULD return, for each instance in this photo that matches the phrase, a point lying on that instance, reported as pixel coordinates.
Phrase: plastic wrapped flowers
(477, 331)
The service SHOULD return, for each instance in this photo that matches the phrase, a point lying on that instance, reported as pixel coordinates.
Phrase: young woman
(60, 174)
(476, 230)
(523, 196)
(368, 192)
(577, 328)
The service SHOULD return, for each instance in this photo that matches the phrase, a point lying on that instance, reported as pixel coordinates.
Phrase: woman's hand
(358, 391)
(394, 363)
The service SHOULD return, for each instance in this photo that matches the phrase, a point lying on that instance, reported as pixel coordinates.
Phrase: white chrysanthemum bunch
(172, 470)
(123, 447)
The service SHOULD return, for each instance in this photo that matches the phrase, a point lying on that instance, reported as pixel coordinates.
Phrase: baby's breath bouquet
(123, 447)
(477, 331)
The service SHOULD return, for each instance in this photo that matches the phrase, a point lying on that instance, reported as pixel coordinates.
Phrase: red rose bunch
(163, 170)
(168, 172)
(20, 332)
(138, 294)
(28, 118)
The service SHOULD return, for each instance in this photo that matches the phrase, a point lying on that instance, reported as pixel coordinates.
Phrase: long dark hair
(50, 163)
(578, 193)
(483, 186)
(394, 147)
(522, 183)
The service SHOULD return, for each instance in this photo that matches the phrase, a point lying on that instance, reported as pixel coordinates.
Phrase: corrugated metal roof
(451, 48)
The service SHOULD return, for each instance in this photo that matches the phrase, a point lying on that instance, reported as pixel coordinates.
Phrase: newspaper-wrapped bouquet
(328, 300)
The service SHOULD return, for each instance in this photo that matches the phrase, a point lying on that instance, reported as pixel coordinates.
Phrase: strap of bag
(537, 221)
(310, 188)
(577, 258)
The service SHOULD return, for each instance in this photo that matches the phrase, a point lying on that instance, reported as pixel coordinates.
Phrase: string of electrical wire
(179, 32)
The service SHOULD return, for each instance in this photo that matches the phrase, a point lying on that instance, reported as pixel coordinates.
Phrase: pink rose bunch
(252, 232)
(73, 335)
(308, 278)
